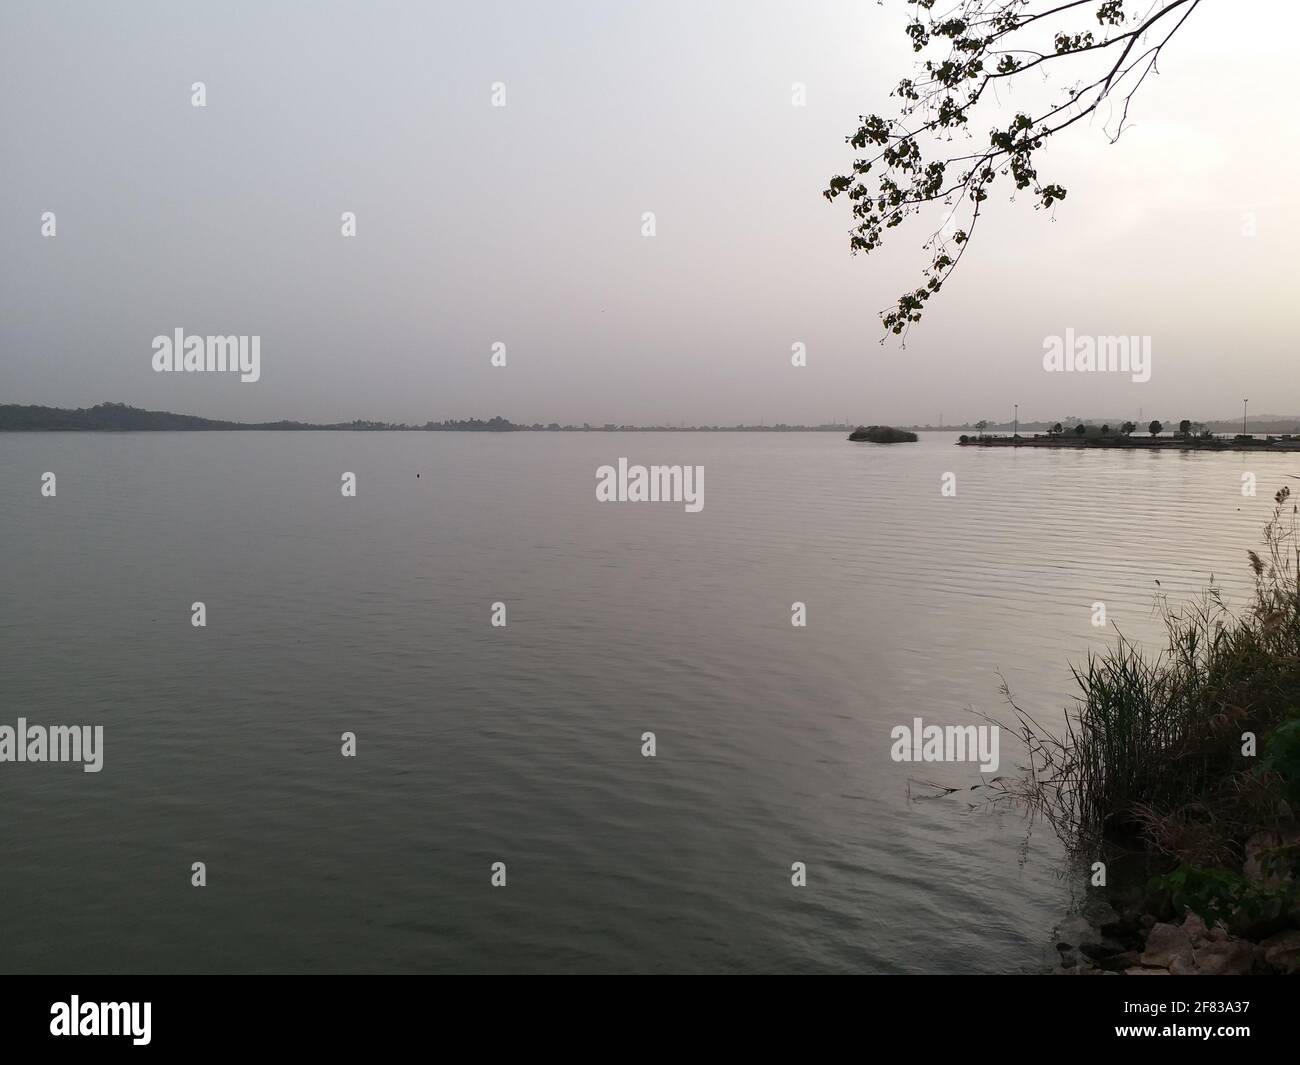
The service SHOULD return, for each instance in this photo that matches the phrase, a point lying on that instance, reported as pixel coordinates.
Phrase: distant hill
(118, 417)
(104, 416)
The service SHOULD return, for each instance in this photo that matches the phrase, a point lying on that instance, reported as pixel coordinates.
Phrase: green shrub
(1220, 895)
(1281, 755)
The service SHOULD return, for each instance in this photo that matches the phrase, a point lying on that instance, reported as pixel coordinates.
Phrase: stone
(1117, 963)
(1073, 931)
(1100, 946)
(1282, 951)
(1078, 933)
(1099, 913)
(1235, 957)
(1195, 929)
(1165, 943)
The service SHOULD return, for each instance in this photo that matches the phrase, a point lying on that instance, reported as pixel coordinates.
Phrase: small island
(882, 434)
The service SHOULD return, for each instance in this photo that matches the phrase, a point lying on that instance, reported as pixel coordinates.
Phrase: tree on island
(1185, 427)
(1081, 430)
(981, 425)
(1155, 428)
(1127, 429)
(914, 162)
(1056, 430)
(1105, 430)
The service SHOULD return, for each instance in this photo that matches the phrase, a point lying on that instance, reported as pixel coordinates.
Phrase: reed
(1156, 753)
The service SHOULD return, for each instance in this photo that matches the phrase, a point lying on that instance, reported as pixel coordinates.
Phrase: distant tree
(1105, 430)
(1185, 427)
(1080, 429)
(1155, 428)
(997, 50)
(1056, 430)
(981, 425)
(1127, 429)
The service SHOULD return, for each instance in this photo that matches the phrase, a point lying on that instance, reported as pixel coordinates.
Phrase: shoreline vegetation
(1175, 785)
(1189, 436)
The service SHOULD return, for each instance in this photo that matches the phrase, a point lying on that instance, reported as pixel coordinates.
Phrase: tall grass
(1153, 754)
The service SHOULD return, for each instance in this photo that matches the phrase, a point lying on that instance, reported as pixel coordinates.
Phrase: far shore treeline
(1188, 435)
(122, 417)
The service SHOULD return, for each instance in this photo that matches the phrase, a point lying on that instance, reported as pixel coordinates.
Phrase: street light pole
(1243, 416)
(1015, 422)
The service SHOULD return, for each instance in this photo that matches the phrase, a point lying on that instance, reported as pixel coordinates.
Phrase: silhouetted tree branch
(908, 164)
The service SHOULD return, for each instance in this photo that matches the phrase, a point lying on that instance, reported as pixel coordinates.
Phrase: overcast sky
(522, 224)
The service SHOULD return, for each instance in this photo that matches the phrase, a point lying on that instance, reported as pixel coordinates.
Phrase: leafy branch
(906, 165)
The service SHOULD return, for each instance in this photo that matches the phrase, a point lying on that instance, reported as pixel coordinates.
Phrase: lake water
(522, 744)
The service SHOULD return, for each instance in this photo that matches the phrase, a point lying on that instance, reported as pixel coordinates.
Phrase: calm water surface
(480, 744)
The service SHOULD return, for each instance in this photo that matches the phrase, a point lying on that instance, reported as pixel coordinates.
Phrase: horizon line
(502, 424)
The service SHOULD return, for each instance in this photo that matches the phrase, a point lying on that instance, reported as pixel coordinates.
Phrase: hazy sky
(522, 224)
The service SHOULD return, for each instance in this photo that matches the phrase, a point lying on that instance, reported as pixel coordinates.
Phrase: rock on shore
(1142, 946)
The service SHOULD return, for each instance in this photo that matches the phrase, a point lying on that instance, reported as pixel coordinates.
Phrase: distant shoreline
(1129, 443)
(121, 418)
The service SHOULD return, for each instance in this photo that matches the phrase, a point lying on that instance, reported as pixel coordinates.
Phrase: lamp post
(1015, 423)
(1243, 416)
